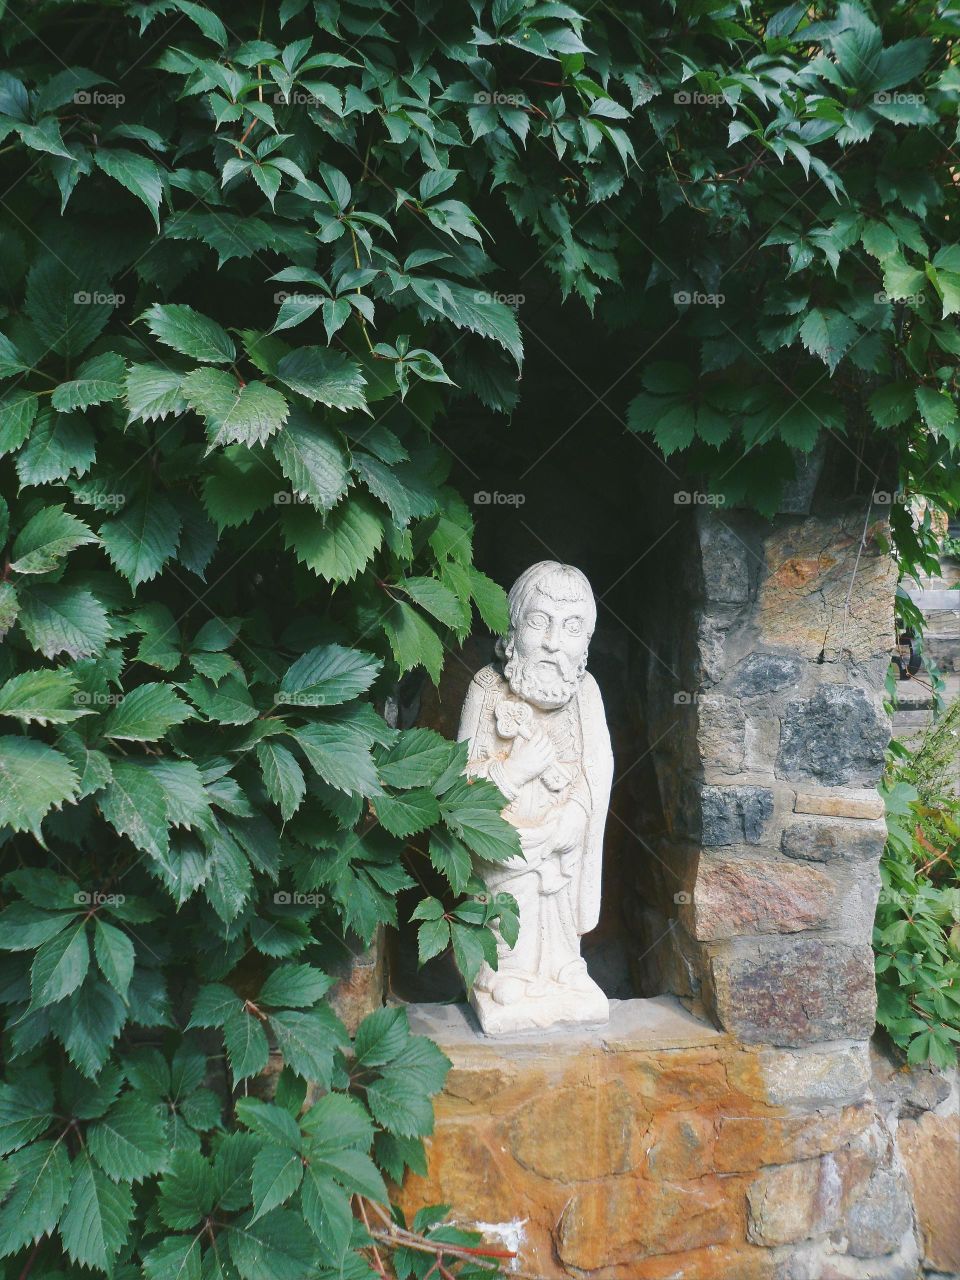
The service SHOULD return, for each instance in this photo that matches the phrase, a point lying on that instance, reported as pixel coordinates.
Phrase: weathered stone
(910, 1090)
(676, 1079)
(725, 561)
(721, 733)
(826, 841)
(750, 896)
(782, 1203)
(744, 1143)
(876, 1221)
(765, 673)
(576, 1134)
(839, 804)
(607, 1223)
(361, 983)
(930, 1148)
(791, 1077)
(796, 992)
(805, 603)
(838, 735)
(735, 815)
(475, 1084)
(679, 1146)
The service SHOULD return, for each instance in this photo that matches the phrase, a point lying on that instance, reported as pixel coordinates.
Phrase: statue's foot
(507, 990)
(575, 976)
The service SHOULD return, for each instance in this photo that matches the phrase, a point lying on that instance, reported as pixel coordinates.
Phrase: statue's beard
(532, 683)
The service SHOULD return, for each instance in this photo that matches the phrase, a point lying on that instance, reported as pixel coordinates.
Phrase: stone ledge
(634, 1026)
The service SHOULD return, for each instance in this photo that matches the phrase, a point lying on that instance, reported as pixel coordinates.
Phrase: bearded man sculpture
(536, 728)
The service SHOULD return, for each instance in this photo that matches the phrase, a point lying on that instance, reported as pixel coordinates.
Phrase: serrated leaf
(326, 676)
(94, 1224)
(191, 333)
(277, 1174)
(59, 443)
(471, 808)
(135, 172)
(234, 413)
(18, 408)
(452, 858)
(277, 1245)
(145, 714)
(46, 538)
(246, 1044)
(307, 1041)
(115, 956)
(438, 600)
(325, 377)
(413, 641)
(68, 620)
(418, 758)
(135, 806)
(187, 1191)
(60, 965)
(433, 936)
(282, 777)
(937, 408)
(339, 547)
(66, 314)
(129, 1142)
(41, 1177)
(34, 779)
(143, 537)
(41, 697)
(26, 1106)
(294, 986)
(312, 459)
(153, 391)
(98, 381)
(406, 814)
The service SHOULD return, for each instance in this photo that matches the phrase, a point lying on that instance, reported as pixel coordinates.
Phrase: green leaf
(60, 443)
(418, 758)
(95, 1222)
(115, 956)
(282, 777)
(450, 857)
(129, 1143)
(327, 1212)
(66, 620)
(98, 381)
(34, 779)
(42, 697)
(234, 413)
(471, 808)
(307, 1041)
(438, 600)
(340, 756)
(413, 641)
(153, 391)
(406, 814)
(45, 539)
(190, 333)
(312, 459)
(66, 313)
(142, 538)
(277, 1245)
(246, 1045)
(145, 714)
(337, 1121)
(294, 986)
(18, 408)
(326, 676)
(277, 1174)
(937, 408)
(138, 174)
(187, 1190)
(178, 1258)
(134, 804)
(892, 405)
(491, 601)
(26, 1105)
(433, 936)
(339, 547)
(60, 966)
(323, 376)
(827, 334)
(41, 1176)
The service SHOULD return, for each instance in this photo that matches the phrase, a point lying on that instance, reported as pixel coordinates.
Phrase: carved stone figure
(536, 728)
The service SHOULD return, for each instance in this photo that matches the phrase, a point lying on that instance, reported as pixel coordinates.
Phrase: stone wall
(764, 702)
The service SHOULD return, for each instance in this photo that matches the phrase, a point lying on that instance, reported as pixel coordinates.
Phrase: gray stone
(721, 733)
(763, 673)
(822, 1074)
(725, 560)
(795, 992)
(837, 736)
(877, 1221)
(823, 840)
(735, 815)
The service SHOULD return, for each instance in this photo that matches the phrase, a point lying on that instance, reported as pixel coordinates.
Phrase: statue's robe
(557, 883)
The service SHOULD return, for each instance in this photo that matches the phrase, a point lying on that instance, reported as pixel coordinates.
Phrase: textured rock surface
(930, 1148)
(735, 815)
(820, 840)
(750, 896)
(796, 992)
(837, 736)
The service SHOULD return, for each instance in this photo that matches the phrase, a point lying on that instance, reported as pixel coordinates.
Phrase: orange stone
(930, 1148)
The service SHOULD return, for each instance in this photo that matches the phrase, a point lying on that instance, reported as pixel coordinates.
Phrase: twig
(376, 1253)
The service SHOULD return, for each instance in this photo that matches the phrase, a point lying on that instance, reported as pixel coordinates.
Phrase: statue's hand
(529, 757)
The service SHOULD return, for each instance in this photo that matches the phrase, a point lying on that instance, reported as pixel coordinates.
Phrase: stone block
(679, 1146)
(745, 1143)
(726, 562)
(782, 1204)
(839, 804)
(721, 733)
(930, 1147)
(877, 1219)
(576, 1134)
(820, 840)
(836, 736)
(762, 674)
(825, 1075)
(795, 992)
(735, 815)
(751, 896)
(611, 1222)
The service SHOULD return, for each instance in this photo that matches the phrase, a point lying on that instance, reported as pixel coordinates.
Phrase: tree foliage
(249, 255)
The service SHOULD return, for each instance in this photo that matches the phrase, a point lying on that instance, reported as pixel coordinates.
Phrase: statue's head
(552, 617)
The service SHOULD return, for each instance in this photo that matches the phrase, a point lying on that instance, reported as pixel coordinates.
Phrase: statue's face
(551, 638)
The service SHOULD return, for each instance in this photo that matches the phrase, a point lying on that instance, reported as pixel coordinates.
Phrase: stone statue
(536, 728)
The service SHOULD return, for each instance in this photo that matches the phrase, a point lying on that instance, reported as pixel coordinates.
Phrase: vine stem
(356, 259)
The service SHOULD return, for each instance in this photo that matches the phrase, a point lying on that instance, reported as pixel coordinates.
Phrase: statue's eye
(574, 626)
(537, 620)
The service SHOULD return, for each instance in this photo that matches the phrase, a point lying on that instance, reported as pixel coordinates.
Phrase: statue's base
(556, 1006)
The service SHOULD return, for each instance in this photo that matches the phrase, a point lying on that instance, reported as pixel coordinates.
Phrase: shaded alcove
(563, 479)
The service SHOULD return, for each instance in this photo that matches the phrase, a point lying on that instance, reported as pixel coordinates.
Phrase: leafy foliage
(917, 931)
